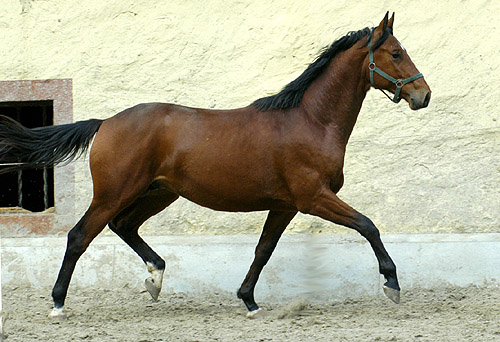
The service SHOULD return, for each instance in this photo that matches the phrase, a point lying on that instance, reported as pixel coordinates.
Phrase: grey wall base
(322, 267)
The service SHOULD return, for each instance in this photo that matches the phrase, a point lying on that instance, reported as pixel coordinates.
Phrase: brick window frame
(59, 219)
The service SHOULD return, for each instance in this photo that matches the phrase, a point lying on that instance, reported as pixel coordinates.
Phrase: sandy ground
(126, 314)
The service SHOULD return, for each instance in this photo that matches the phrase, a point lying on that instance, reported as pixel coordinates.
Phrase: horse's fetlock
(241, 295)
(160, 264)
(58, 296)
(388, 269)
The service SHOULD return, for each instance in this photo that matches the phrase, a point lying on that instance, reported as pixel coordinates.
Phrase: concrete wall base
(323, 267)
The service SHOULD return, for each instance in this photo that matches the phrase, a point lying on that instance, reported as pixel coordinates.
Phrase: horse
(282, 153)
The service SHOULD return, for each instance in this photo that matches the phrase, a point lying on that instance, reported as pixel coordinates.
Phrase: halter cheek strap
(397, 82)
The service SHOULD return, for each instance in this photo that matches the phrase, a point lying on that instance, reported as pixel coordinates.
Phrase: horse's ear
(391, 21)
(383, 24)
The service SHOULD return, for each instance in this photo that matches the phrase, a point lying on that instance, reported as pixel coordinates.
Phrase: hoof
(57, 314)
(256, 313)
(153, 290)
(392, 294)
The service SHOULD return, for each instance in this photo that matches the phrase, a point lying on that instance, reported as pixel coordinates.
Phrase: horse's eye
(396, 55)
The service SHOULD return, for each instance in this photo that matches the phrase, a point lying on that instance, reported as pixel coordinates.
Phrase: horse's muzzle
(419, 102)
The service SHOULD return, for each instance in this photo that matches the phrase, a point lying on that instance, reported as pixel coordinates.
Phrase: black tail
(24, 148)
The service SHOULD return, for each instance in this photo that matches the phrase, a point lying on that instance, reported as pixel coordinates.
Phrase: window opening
(29, 189)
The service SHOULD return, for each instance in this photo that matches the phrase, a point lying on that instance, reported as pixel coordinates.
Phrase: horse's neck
(335, 98)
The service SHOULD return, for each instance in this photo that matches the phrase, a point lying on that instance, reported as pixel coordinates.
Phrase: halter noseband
(397, 82)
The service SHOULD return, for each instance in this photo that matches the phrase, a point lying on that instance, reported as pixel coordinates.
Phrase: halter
(397, 82)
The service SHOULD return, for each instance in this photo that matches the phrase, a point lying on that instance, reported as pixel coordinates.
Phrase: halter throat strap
(399, 83)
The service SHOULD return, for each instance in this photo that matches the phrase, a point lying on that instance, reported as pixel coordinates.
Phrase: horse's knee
(366, 227)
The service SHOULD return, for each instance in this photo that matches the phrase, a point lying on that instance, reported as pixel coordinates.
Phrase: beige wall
(436, 170)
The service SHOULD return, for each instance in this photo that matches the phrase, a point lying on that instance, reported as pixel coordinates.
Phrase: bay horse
(282, 153)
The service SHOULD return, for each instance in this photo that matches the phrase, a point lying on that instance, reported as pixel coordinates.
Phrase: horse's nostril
(427, 99)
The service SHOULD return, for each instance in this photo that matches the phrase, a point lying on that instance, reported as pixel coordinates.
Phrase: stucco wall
(435, 170)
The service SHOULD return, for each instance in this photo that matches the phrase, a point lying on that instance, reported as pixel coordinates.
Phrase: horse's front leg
(276, 223)
(329, 207)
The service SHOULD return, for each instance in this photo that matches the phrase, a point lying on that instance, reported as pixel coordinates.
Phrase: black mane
(291, 95)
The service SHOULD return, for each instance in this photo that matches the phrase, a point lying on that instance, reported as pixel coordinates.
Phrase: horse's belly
(243, 194)
(241, 205)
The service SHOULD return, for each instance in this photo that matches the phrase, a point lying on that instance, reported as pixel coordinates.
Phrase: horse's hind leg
(79, 238)
(126, 225)
(111, 195)
(276, 223)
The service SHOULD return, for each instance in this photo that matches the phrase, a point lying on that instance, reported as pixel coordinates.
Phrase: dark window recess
(31, 190)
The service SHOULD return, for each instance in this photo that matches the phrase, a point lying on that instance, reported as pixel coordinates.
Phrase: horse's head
(390, 68)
